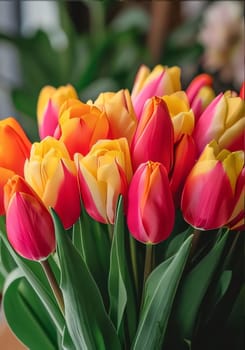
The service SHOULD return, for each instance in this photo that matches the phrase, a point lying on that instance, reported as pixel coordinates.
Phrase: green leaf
(86, 318)
(36, 277)
(193, 290)
(91, 240)
(159, 294)
(25, 314)
(122, 297)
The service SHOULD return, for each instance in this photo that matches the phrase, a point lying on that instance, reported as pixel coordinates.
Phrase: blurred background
(99, 45)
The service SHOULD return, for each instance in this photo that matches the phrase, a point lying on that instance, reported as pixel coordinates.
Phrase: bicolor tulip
(120, 113)
(158, 82)
(52, 174)
(49, 102)
(237, 218)
(150, 210)
(224, 121)
(154, 136)
(29, 225)
(81, 126)
(184, 160)
(14, 149)
(200, 93)
(104, 173)
(182, 116)
(209, 194)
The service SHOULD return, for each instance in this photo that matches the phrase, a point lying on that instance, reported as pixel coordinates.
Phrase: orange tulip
(81, 125)
(14, 149)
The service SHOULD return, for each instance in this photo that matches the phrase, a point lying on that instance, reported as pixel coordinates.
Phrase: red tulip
(29, 225)
(150, 212)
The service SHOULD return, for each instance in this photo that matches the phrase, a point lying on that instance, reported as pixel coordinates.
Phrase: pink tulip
(29, 225)
(154, 136)
(211, 191)
(150, 212)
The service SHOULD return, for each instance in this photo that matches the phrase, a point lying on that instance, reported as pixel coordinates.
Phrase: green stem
(148, 261)
(195, 242)
(110, 231)
(134, 263)
(53, 283)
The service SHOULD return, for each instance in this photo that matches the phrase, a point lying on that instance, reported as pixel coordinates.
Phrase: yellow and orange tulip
(52, 174)
(81, 126)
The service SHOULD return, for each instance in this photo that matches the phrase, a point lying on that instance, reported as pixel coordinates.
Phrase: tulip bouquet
(122, 227)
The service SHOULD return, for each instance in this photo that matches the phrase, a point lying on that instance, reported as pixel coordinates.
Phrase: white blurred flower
(222, 35)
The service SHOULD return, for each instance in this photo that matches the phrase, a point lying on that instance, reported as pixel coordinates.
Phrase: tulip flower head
(120, 113)
(81, 125)
(181, 115)
(200, 93)
(52, 174)
(154, 136)
(104, 174)
(158, 82)
(14, 149)
(224, 121)
(210, 191)
(29, 225)
(150, 212)
(49, 102)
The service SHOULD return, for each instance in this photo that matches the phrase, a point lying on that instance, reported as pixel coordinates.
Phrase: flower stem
(110, 231)
(134, 263)
(53, 283)
(148, 261)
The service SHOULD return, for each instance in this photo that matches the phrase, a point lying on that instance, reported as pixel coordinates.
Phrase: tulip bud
(184, 159)
(49, 102)
(208, 197)
(29, 225)
(14, 149)
(81, 126)
(161, 81)
(120, 113)
(154, 138)
(200, 93)
(224, 121)
(242, 91)
(52, 174)
(104, 174)
(181, 115)
(150, 212)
